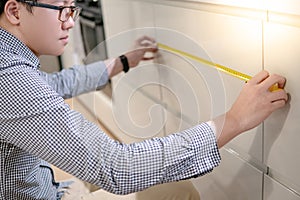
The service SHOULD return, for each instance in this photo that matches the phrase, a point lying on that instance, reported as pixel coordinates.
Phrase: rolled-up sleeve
(78, 79)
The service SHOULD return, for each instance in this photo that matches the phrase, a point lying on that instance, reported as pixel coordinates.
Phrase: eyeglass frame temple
(60, 8)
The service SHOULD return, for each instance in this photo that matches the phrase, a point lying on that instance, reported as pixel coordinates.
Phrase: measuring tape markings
(219, 67)
(222, 68)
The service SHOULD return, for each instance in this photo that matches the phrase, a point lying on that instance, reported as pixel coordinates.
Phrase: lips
(65, 39)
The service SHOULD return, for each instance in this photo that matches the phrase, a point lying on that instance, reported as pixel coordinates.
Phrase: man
(37, 127)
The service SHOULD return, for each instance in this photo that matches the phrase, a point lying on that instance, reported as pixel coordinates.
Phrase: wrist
(125, 63)
(227, 127)
(114, 66)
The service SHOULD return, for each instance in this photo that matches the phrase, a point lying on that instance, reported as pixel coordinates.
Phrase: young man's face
(42, 31)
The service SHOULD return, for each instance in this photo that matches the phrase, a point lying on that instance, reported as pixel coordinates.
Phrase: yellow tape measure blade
(222, 68)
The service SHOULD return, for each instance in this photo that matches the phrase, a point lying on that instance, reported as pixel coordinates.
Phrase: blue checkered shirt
(37, 127)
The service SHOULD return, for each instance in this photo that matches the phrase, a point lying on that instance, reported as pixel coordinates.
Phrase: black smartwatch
(124, 62)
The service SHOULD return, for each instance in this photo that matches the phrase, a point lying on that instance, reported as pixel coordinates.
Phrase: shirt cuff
(212, 126)
(207, 148)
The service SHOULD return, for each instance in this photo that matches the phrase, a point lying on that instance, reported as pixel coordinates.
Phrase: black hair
(3, 2)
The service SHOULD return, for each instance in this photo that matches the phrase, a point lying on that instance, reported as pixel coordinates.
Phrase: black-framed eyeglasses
(65, 12)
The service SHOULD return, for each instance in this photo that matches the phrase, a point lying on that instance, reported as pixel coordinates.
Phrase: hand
(254, 104)
(141, 46)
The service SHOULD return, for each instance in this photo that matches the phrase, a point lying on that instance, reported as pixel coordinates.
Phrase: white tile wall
(257, 4)
(174, 124)
(116, 15)
(122, 26)
(286, 6)
(177, 80)
(234, 179)
(231, 41)
(274, 190)
(282, 44)
(137, 109)
(232, 37)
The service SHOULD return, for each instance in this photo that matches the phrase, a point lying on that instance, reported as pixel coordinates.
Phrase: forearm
(77, 80)
(190, 153)
(113, 66)
(82, 149)
(118, 64)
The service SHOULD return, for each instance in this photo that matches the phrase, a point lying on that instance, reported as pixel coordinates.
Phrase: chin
(57, 52)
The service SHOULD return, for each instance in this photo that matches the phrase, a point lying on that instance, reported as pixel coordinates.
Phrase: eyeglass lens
(69, 12)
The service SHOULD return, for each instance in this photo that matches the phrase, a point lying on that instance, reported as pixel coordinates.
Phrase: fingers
(147, 43)
(273, 86)
(279, 95)
(258, 78)
(148, 58)
(268, 81)
(274, 79)
(145, 38)
(278, 104)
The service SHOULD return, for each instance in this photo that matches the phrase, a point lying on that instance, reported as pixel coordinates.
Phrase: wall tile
(273, 190)
(231, 41)
(234, 179)
(282, 44)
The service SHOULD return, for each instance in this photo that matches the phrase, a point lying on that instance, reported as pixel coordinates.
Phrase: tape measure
(219, 67)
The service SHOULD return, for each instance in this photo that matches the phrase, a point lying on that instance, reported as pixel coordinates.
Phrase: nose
(68, 24)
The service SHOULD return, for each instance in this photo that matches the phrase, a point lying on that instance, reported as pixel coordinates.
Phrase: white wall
(172, 93)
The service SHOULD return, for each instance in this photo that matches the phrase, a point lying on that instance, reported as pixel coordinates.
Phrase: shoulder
(23, 91)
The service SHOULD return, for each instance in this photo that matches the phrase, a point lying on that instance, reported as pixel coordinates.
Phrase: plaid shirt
(37, 127)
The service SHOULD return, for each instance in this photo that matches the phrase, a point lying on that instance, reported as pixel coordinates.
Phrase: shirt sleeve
(213, 127)
(43, 125)
(78, 79)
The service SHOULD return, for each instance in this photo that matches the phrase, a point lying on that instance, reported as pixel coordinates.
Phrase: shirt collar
(17, 47)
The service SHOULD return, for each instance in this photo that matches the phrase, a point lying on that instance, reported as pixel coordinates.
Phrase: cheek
(42, 30)
(48, 23)
(46, 36)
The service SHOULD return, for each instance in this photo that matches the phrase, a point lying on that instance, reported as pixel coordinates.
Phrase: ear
(12, 11)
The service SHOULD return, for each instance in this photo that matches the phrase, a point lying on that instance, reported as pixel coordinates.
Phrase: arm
(78, 79)
(81, 79)
(45, 126)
